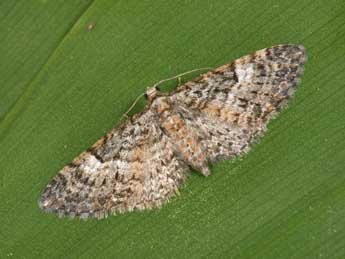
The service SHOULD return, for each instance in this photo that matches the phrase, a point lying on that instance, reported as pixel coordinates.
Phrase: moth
(142, 163)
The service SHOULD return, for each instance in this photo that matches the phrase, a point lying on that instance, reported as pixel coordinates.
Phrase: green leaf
(63, 86)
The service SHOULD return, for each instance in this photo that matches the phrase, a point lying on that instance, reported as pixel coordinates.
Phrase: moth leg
(179, 82)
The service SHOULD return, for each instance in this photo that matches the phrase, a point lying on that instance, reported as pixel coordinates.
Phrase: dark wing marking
(126, 170)
(231, 105)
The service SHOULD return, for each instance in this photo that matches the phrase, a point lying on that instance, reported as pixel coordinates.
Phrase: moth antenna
(125, 115)
(182, 74)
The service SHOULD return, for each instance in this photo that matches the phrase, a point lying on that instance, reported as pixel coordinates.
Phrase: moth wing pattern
(123, 171)
(141, 163)
(233, 104)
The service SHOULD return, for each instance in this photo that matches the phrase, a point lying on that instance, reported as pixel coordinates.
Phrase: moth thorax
(151, 93)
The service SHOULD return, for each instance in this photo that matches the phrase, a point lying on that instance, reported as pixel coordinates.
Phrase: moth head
(151, 93)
